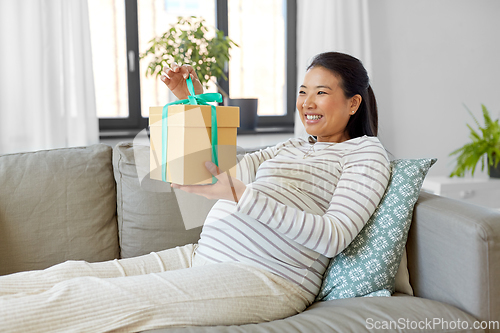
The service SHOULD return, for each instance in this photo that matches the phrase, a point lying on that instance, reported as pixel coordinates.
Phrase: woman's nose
(308, 103)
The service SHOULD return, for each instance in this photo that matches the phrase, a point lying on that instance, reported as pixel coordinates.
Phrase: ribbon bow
(193, 99)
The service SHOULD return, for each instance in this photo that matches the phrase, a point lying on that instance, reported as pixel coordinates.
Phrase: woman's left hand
(227, 187)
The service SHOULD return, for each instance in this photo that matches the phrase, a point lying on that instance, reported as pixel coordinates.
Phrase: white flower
(364, 288)
(373, 266)
(348, 293)
(389, 257)
(395, 234)
(380, 243)
(356, 274)
(380, 279)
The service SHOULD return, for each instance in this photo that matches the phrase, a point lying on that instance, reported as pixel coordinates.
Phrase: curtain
(330, 25)
(47, 96)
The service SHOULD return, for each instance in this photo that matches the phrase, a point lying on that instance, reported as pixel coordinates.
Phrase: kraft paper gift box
(189, 143)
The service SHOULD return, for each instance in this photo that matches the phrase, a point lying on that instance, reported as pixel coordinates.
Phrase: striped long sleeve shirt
(303, 204)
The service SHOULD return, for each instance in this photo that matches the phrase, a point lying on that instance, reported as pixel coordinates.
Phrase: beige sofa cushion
(57, 205)
(149, 216)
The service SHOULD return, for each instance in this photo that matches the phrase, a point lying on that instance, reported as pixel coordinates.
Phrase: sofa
(97, 203)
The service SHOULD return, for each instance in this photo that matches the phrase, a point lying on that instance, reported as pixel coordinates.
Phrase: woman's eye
(321, 92)
(302, 92)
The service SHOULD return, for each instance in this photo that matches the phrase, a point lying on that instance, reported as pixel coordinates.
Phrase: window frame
(135, 122)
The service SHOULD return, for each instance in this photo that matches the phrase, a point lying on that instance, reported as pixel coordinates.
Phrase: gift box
(188, 138)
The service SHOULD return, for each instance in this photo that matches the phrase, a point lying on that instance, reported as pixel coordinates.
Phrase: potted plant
(485, 146)
(186, 43)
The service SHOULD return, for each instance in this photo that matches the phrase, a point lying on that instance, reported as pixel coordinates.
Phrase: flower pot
(248, 112)
(494, 172)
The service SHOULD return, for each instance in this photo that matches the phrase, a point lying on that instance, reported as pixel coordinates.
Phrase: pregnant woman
(265, 244)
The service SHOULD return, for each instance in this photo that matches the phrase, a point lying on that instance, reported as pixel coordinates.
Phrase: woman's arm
(248, 164)
(229, 188)
(357, 194)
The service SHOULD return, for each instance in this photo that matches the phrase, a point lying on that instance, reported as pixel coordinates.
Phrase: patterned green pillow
(368, 266)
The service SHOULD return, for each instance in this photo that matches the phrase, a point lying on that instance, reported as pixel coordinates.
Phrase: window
(252, 72)
(121, 30)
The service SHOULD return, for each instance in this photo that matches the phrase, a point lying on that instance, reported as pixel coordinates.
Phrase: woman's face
(323, 107)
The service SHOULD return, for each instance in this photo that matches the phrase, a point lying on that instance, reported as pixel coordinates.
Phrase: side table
(480, 191)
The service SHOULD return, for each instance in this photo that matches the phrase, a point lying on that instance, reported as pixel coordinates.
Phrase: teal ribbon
(193, 99)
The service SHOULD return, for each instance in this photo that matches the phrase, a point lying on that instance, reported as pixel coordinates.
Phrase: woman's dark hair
(353, 80)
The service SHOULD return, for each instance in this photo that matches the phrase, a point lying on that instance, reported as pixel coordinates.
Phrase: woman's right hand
(175, 79)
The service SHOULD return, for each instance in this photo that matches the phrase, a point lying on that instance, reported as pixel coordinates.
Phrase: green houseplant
(186, 43)
(485, 146)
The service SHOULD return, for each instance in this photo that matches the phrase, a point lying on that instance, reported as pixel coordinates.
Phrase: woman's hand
(227, 188)
(175, 79)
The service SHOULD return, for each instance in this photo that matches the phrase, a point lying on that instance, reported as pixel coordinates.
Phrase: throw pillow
(57, 205)
(150, 215)
(368, 266)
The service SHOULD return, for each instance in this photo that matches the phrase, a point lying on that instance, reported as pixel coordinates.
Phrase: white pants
(168, 288)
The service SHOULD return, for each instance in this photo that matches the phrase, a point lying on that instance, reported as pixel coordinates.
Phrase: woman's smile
(312, 118)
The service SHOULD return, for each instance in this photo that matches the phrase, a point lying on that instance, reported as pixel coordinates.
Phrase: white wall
(429, 57)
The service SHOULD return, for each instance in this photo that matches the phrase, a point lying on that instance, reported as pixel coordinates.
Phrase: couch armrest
(454, 255)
